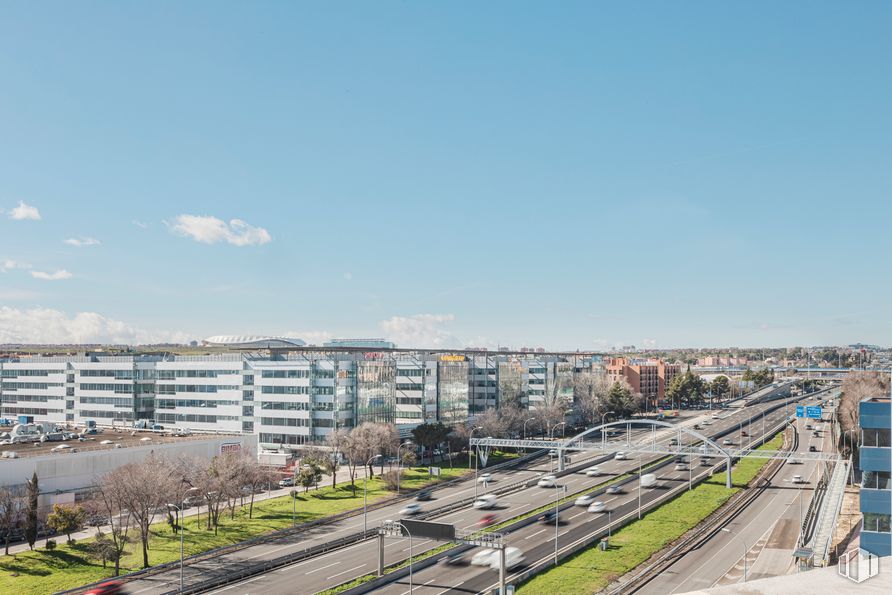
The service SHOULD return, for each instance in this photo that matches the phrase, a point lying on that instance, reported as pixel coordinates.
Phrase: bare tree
(337, 441)
(215, 483)
(111, 499)
(589, 396)
(491, 424)
(146, 488)
(856, 387)
(369, 439)
(12, 513)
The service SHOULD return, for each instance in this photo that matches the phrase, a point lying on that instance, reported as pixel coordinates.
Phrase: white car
(513, 557)
(593, 471)
(705, 422)
(614, 489)
(547, 481)
(798, 479)
(727, 442)
(597, 506)
(485, 501)
(715, 416)
(681, 467)
(60, 447)
(620, 456)
(484, 477)
(585, 500)
(411, 509)
(482, 558)
(106, 442)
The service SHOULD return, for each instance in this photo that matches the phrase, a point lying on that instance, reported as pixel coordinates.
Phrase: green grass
(592, 570)
(66, 567)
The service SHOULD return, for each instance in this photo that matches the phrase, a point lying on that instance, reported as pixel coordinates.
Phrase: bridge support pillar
(503, 572)
(561, 463)
(380, 554)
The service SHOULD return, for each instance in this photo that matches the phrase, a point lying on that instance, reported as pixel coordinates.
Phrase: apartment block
(649, 377)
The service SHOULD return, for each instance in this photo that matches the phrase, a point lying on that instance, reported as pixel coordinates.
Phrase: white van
(513, 557)
(648, 479)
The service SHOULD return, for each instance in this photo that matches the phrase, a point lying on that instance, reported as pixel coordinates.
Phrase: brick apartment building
(648, 377)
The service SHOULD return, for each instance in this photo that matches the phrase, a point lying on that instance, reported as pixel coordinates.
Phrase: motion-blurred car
(485, 501)
(547, 481)
(482, 558)
(585, 500)
(487, 520)
(592, 471)
(547, 518)
(614, 489)
(411, 509)
(484, 477)
(620, 456)
(513, 557)
(109, 588)
(423, 495)
(597, 506)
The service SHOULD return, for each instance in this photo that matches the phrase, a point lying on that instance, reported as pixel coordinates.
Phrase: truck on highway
(648, 479)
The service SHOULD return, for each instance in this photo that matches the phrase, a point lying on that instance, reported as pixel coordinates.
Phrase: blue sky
(572, 175)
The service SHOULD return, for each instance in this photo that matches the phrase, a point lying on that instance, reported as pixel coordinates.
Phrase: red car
(487, 520)
(109, 588)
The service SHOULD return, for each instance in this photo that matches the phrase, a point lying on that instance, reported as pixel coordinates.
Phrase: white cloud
(81, 242)
(210, 230)
(55, 276)
(8, 265)
(311, 337)
(24, 211)
(140, 224)
(43, 325)
(420, 330)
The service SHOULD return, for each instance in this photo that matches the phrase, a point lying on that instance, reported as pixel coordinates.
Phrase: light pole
(179, 510)
(410, 553)
(293, 507)
(603, 433)
(745, 549)
(559, 453)
(525, 427)
(399, 464)
(365, 494)
(476, 456)
(557, 512)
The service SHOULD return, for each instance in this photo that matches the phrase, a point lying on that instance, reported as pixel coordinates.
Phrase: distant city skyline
(603, 175)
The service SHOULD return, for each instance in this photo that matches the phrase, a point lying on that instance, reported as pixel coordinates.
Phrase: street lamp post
(525, 427)
(399, 464)
(476, 456)
(365, 494)
(293, 507)
(745, 550)
(410, 553)
(603, 433)
(180, 513)
(551, 435)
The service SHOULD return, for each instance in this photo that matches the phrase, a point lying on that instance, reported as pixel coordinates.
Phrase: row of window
(88, 414)
(115, 401)
(284, 438)
(171, 418)
(28, 411)
(116, 374)
(284, 421)
(290, 406)
(170, 389)
(173, 374)
(121, 389)
(30, 385)
(875, 437)
(174, 403)
(285, 374)
(877, 522)
(15, 373)
(876, 480)
(28, 398)
(285, 390)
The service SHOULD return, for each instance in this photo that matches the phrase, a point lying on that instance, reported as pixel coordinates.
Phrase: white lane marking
(455, 586)
(323, 568)
(534, 534)
(345, 572)
(422, 584)
(580, 514)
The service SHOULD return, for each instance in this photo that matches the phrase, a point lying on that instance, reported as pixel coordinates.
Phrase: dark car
(452, 559)
(743, 433)
(547, 518)
(423, 495)
(109, 588)
(812, 448)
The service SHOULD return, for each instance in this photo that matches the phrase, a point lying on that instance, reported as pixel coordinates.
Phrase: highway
(767, 530)
(536, 541)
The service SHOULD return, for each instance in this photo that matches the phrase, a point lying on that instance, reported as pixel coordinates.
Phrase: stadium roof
(254, 341)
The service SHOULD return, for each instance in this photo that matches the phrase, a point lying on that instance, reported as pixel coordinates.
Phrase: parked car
(696, 427)
(812, 448)
(597, 506)
(411, 509)
(592, 471)
(585, 500)
(286, 482)
(482, 558)
(485, 501)
(547, 481)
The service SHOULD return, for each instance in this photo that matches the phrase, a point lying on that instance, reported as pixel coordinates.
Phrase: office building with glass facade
(875, 461)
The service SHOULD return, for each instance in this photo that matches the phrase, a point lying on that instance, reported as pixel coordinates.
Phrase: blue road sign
(813, 412)
(800, 411)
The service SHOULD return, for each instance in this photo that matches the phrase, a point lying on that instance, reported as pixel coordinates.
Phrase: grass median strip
(69, 566)
(592, 570)
(432, 552)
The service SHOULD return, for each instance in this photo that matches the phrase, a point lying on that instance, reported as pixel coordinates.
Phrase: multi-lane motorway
(537, 541)
(764, 534)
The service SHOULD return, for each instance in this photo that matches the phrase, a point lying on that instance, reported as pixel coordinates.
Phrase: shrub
(50, 544)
